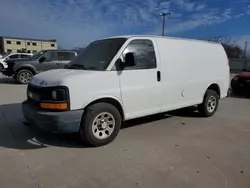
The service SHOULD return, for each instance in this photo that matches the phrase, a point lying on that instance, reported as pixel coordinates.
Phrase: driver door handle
(158, 76)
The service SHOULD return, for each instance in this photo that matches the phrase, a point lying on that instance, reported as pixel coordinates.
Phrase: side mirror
(129, 60)
(119, 64)
(42, 59)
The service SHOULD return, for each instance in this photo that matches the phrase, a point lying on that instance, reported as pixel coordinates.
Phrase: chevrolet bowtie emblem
(42, 82)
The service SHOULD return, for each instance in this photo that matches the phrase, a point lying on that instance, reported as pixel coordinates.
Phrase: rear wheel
(100, 124)
(210, 104)
(235, 86)
(24, 76)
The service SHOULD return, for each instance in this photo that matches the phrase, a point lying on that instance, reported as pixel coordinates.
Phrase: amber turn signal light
(54, 106)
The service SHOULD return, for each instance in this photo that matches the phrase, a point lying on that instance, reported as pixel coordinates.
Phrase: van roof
(163, 37)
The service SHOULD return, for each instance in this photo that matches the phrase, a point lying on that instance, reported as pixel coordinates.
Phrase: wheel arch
(30, 68)
(215, 87)
(110, 100)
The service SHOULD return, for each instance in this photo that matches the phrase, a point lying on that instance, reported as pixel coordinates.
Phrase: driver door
(48, 61)
(140, 85)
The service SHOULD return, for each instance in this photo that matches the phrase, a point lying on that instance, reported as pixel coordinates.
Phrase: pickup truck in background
(23, 70)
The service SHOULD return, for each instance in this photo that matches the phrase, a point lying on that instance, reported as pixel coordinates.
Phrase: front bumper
(55, 122)
(7, 72)
(229, 92)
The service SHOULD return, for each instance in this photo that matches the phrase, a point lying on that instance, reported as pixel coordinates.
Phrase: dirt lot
(175, 150)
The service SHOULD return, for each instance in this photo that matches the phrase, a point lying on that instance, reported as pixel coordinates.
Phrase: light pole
(164, 14)
(245, 50)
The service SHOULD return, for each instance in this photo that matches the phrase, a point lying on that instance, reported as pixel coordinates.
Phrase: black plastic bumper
(55, 122)
(7, 72)
(229, 92)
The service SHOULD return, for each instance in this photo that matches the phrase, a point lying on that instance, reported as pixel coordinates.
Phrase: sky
(75, 23)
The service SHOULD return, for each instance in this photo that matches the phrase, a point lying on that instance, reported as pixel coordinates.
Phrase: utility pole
(164, 14)
(245, 51)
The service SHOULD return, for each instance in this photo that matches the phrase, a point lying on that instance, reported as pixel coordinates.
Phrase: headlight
(59, 94)
(54, 94)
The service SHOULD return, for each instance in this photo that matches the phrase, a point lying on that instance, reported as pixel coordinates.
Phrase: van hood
(61, 77)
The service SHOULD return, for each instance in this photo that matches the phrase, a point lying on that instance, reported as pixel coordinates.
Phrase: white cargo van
(122, 78)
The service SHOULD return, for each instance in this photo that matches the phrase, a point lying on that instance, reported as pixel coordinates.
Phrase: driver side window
(144, 54)
(50, 56)
(143, 50)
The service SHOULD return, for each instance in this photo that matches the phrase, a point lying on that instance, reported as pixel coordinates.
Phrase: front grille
(10, 66)
(43, 92)
(9, 70)
(39, 94)
(36, 94)
(34, 103)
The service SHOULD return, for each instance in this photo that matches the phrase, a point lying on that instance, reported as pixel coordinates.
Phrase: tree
(24, 50)
(233, 51)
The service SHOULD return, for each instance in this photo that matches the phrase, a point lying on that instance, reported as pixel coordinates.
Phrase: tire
(210, 104)
(95, 129)
(24, 76)
(236, 90)
(235, 86)
(27, 124)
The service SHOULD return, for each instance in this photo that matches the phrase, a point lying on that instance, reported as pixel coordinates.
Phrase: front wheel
(210, 104)
(100, 124)
(24, 76)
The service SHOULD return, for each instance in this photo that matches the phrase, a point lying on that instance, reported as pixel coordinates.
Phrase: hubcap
(25, 77)
(103, 125)
(211, 105)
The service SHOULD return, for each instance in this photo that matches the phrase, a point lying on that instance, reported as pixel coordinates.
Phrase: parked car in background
(122, 78)
(23, 70)
(241, 83)
(3, 59)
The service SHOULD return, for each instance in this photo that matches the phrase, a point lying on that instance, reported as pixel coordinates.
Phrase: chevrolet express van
(121, 78)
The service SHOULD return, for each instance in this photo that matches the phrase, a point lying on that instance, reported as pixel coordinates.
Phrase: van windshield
(97, 55)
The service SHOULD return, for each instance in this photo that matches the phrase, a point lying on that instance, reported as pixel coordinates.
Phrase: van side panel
(188, 69)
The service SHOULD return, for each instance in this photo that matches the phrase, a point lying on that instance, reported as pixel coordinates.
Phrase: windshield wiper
(90, 68)
(75, 66)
